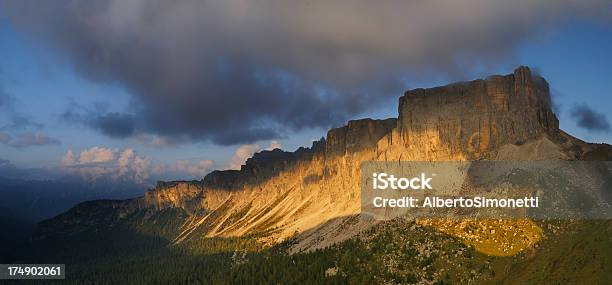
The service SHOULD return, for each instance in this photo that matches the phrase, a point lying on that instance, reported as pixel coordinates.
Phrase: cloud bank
(99, 162)
(236, 71)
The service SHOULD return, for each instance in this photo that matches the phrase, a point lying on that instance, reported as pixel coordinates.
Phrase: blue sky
(43, 82)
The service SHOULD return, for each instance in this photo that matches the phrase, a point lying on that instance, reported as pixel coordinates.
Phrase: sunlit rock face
(467, 120)
(357, 135)
(313, 194)
(174, 194)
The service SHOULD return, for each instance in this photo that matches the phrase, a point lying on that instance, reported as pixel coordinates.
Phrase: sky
(154, 89)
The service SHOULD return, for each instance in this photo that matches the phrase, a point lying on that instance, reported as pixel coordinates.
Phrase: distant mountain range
(24, 202)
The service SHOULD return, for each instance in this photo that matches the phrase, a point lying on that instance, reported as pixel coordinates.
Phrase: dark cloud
(236, 71)
(236, 136)
(589, 119)
(114, 125)
(23, 140)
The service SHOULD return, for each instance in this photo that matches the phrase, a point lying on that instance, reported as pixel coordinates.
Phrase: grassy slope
(581, 255)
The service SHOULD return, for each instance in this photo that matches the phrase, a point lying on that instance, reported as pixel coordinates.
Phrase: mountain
(35, 200)
(25, 202)
(306, 204)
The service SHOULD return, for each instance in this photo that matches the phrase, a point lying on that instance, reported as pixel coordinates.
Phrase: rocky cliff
(478, 116)
(312, 194)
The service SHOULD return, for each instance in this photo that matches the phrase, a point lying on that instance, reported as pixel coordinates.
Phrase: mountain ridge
(312, 195)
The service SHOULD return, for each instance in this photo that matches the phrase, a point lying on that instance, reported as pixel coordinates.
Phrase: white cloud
(68, 159)
(245, 151)
(196, 169)
(99, 162)
(124, 161)
(241, 154)
(141, 167)
(96, 155)
(274, 144)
